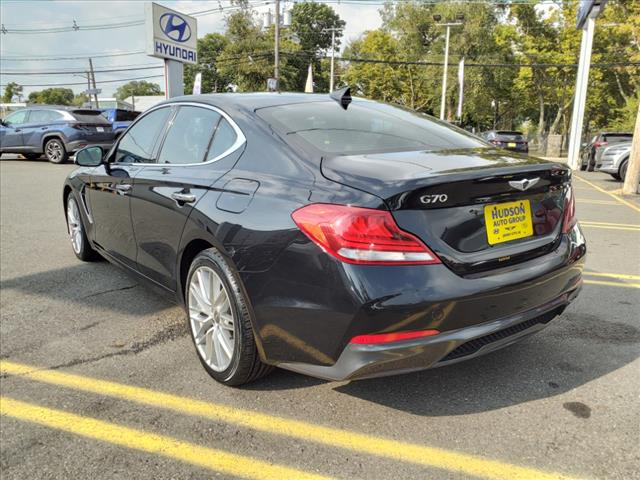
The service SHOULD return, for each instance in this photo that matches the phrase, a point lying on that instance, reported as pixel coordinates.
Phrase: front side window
(188, 139)
(136, 146)
(364, 127)
(16, 118)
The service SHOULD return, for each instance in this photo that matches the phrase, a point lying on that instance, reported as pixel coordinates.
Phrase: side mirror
(89, 156)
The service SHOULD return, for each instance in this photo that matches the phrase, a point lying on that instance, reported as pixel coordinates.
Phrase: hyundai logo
(175, 27)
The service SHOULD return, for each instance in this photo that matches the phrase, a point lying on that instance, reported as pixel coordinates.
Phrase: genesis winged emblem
(524, 184)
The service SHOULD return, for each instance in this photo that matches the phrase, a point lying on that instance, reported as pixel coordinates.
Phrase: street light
(437, 18)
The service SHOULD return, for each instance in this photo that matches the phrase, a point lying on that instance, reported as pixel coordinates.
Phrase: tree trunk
(633, 168)
(561, 111)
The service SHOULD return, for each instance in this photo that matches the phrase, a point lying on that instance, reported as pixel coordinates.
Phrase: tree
(209, 49)
(52, 96)
(137, 88)
(311, 23)
(10, 91)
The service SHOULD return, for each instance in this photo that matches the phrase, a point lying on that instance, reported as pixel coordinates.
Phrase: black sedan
(337, 237)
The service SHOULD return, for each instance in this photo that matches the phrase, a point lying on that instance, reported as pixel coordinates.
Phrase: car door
(112, 184)
(200, 146)
(39, 122)
(11, 131)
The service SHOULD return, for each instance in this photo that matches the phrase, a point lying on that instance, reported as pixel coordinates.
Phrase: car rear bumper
(474, 314)
(366, 361)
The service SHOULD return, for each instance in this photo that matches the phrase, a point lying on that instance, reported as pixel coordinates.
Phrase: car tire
(583, 167)
(32, 156)
(615, 176)
(55, 151)
(211, 280)
(623, 170)
(77, 233)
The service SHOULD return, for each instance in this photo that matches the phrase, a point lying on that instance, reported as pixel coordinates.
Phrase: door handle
(123, 188)
(181, 197)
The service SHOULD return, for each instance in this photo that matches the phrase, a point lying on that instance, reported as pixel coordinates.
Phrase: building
(144, 102)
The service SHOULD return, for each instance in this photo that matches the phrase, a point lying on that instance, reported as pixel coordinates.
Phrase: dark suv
(55, 131)
(119, 119)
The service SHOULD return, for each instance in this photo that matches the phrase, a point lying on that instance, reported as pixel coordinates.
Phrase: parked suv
(591, 157)
(120, 119)
(55, 131)
(515, 141)
(615, 160)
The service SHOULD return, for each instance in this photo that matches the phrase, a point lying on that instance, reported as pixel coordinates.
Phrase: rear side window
(223, 140)
(364, 127)
(44, 116)
(190, 135)
(136, 146)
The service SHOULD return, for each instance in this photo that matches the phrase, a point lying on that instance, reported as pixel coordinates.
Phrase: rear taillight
(569, 218)
(361, 235)
(599, 144)
(495, 142)
(378, 338)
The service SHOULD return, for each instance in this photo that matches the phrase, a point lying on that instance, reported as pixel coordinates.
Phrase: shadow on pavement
(98, 285)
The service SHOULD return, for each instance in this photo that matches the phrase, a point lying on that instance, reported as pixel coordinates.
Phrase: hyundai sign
(171, 34)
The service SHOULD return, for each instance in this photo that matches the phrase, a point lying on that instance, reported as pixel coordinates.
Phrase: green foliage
(137, 88)
(10, 90)
(209, 49)
(52, 96)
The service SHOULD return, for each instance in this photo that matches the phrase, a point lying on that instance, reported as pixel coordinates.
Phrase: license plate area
(511, 145)
(508, 221)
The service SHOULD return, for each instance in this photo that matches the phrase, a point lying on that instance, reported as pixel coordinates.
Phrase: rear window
(510, 136)
(126, 115)
(618, 137)
(364, 127)
(89, 116)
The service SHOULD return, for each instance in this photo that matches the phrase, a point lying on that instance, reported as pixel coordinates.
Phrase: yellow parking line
(333, 437)
(611, 224)
(612, 284)
(615, 197)
(210, 458)
(597, 202)
(630, 228)
(621, 276)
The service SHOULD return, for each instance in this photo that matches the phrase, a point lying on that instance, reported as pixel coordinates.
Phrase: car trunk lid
(445, 198)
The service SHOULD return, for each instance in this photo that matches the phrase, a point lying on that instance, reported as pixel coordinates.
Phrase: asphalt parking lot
(100, 380)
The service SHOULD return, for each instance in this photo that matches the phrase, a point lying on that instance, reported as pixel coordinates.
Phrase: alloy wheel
(74, 225)
(211, 319)
(54, 151)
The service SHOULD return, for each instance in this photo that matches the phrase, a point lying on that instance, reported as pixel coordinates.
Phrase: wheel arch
(50, 136)
(190, 251)
(622, 162)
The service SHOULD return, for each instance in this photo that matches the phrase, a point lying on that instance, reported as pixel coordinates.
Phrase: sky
(16, 48)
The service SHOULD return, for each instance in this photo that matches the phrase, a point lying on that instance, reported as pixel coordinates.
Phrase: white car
(615, 160)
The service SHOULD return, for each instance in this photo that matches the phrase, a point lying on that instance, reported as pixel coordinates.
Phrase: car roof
(251, 101)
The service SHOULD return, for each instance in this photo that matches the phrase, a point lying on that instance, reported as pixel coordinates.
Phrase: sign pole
(580, 97)
(173, 78)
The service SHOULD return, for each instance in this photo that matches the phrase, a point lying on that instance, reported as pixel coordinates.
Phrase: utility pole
(333, 57)
(448, 26)
(333, 31)
(88, 85)
(93, 80)
(276, 53)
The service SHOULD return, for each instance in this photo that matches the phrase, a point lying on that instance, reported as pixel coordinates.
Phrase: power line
(84, 83)
(74, 57)
(76, 27)
(67, 72)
